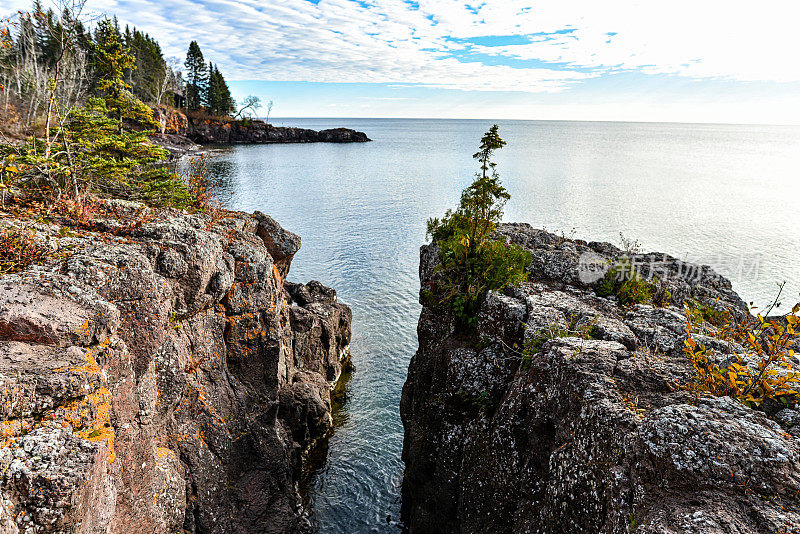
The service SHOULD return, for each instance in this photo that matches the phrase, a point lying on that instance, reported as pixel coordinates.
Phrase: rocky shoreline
(590, 433)
(161, 375)
(180, 133)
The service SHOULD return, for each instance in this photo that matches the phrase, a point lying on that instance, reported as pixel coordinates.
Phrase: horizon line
(689, 123)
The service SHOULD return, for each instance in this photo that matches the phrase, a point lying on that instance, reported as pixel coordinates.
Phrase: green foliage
(480, 401)
(699, 313)
(471, 263)
(94, 153)
(97, 156)
(206, 86)
(662, 297)
(196, 77)
(149, 68)
(219, 100)
(490, 142)
(534, 344)
(112, 59)
(624, 283)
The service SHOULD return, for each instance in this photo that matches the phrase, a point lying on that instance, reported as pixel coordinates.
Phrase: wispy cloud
(449, 43)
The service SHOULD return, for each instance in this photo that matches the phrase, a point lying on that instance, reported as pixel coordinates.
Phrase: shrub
(662, 297)
(82, 211)
(699, 313)
(764, 373)
(471, 263)
(629, 287)
(18, 250)
(196, 179)
(556, 330)
(466, 401)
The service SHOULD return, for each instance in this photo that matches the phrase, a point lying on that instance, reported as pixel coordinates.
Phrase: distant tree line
(83, 93)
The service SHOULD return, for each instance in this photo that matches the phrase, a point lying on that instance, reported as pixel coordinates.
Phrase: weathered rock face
(207, 131)
(161, 377)
(590, 435)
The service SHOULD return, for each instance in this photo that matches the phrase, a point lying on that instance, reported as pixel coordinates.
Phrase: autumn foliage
(758, 367)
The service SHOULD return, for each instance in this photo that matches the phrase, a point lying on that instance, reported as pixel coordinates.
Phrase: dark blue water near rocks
(723, 195)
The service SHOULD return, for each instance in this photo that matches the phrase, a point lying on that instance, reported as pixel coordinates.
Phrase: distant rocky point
(177, 129)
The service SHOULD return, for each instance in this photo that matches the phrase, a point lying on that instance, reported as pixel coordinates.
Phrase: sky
(731, 61)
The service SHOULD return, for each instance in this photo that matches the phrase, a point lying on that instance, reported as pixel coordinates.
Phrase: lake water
(722, 195)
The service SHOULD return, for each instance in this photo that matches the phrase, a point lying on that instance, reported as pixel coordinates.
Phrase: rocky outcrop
(591, 433)
(160, 375)
(210, 131)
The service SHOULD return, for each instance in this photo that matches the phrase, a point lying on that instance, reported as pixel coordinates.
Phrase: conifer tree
(149, 70)
(218, 100)
(196, 84)
(227, 104)
(111, 60)
(210, 95)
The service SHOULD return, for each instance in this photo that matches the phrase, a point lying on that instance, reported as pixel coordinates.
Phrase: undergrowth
(20, 249)
(763, 373)
(629, 287)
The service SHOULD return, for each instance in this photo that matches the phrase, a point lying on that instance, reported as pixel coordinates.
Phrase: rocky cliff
(587, 434)
(159, 374)
(209, 131)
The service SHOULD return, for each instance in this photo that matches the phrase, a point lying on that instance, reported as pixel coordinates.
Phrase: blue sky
(690, 61)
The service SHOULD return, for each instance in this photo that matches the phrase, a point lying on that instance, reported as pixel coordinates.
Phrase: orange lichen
(9, 430)
(84, 328)
(163, 452)
(91, 366)
(90, 418)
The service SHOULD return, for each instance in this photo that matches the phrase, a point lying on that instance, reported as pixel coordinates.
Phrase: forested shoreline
(51, 59)
(77, 94)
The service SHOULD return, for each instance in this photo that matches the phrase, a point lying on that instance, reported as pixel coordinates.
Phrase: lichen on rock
(161, 377)
(590, 431)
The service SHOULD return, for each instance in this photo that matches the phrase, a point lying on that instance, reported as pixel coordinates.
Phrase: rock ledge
(160, 377)
(590, 435)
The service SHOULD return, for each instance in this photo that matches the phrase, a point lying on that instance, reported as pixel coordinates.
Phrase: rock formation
(587, 435)
(160, 375)
(209, 131)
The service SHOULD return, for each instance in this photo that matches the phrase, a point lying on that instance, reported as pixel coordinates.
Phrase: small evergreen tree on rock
(472, 263)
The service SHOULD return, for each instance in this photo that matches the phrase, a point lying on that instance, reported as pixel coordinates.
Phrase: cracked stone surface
(589, 435)
(159, 376)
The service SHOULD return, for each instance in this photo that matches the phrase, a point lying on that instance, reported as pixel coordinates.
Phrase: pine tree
(218, 96)
(111, 60)
(196, 84)
(149, 69)
(212, 88)
(226, 103)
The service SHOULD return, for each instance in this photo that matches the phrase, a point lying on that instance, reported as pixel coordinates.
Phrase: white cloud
(721, 39)
(396, 41)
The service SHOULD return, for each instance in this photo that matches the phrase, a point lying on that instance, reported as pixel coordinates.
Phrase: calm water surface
(722, 195)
